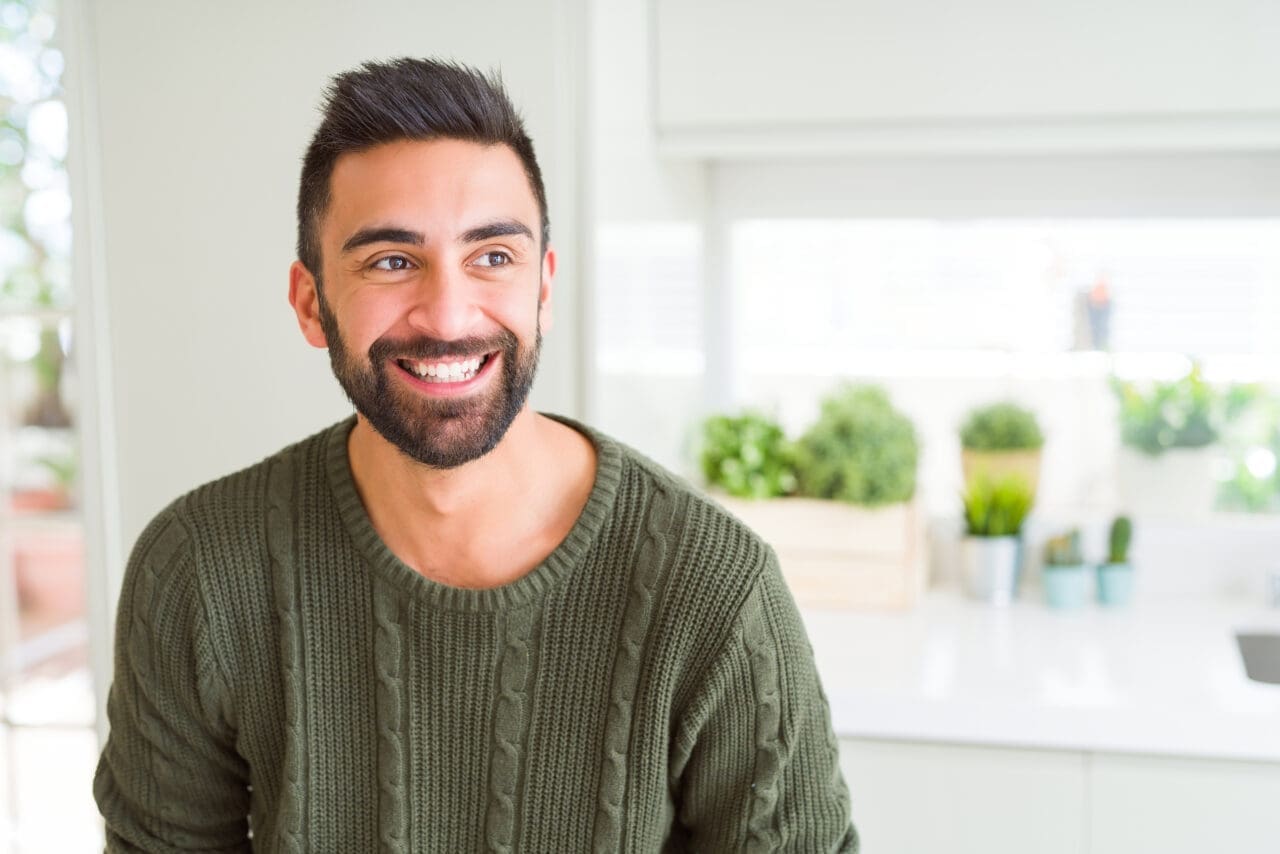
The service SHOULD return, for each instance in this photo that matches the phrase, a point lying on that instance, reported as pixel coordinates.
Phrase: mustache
(424, 347)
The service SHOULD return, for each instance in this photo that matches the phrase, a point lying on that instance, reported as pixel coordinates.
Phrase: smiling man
(449, 622)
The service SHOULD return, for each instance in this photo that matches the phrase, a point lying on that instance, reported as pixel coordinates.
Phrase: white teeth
(445, 371)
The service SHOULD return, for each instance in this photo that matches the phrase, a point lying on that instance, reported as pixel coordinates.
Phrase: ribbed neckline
(541, 578)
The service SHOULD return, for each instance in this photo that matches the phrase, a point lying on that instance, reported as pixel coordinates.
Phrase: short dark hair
(407, 99)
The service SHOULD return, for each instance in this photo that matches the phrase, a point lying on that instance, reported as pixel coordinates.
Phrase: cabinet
(912, 797)
(909, 798)
(1179, 806)
(752, 77)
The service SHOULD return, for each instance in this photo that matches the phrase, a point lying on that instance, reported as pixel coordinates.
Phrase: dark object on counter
(1261, 654)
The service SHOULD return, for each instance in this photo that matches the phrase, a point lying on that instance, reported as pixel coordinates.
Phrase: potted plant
(994, 511)
(852, 535)
(861, 450)
(1001, 438)
(747, 456)
(1066, 577)
(1168, 430)
(1115, 577)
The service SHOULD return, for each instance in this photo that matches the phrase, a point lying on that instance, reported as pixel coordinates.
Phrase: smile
(445, 371)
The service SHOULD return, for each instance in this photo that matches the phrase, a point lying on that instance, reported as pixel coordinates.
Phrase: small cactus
(1121, 536)
(1064, 550)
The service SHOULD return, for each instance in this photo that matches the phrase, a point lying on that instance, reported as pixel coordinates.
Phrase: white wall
(201, 115)
(634, 194)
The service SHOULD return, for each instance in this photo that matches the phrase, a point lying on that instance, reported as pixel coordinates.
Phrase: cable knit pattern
(626, 671)
(646, 687)
(280, 533)
(388, 661)
(142, 646)
(764, 678)
(508, 732)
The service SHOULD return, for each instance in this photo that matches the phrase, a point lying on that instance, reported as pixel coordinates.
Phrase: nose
(443, 304)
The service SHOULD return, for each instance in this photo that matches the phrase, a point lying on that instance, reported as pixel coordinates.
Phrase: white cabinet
(1182, 806)
(988, 74)
(911, 798)
(914, 797)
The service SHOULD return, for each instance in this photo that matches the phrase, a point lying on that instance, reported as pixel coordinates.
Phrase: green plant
(860, 450)
(1064, 550)
(1184, 413)
(1120, 538)
(997, 507)
(63, 469)
(1001, 427)
(747, 455)
(1254, 486)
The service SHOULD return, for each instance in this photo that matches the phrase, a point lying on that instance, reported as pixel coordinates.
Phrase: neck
(484, 523)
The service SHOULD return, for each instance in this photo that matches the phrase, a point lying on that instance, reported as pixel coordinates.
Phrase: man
(450, 623)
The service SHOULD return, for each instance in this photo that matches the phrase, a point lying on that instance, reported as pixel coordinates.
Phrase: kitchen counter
(1161, 677)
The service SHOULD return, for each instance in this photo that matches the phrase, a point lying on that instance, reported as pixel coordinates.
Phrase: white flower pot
(990, 566)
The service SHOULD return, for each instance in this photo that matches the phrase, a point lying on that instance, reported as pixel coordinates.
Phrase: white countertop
(1160, 677)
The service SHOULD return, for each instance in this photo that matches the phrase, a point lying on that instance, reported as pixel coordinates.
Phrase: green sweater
(648, 687)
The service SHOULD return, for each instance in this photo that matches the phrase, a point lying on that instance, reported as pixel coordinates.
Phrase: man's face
(434, 290)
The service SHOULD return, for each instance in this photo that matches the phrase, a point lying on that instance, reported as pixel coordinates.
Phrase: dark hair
(407, 99)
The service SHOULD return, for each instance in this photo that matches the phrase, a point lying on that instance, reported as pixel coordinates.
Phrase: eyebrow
(382, 234)
(393, 234)
(497, 228)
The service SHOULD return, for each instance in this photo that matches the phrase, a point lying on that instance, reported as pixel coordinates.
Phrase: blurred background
(969, 309)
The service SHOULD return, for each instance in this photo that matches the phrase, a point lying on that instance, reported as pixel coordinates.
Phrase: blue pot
(1115, 584)
(1066, 587)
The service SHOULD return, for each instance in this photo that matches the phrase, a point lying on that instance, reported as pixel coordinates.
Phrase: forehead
(437, 185)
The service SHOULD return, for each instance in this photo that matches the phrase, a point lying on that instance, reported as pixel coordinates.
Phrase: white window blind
(826, 290)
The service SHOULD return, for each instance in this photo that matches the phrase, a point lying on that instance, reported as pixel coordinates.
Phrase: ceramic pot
(1066, 587)
(1115, 584)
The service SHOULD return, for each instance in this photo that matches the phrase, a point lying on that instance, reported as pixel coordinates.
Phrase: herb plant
(747, 456)
(1185, 413)
(1001, 427)
(861, 450)
(997, 507)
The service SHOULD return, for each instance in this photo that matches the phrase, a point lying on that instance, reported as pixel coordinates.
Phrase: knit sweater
(284, 683)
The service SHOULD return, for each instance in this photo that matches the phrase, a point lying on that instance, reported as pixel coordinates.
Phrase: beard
(442, 433)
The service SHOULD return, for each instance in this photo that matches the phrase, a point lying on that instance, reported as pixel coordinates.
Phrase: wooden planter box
(837, 555)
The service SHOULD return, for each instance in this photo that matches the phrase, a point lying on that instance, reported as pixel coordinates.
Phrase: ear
(544, 289)
(306, 304)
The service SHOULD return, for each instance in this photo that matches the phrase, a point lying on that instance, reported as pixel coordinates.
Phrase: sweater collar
(557, 565)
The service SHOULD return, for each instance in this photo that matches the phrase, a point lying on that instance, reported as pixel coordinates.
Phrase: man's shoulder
(711, 548)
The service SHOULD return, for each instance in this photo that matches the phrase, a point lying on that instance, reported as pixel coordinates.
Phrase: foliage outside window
(35, 232)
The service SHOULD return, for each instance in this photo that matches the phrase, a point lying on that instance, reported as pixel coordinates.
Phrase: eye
(493, 258)
(392, 263)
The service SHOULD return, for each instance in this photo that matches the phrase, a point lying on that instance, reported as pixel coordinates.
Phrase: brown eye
(392, 263)
(493, 259)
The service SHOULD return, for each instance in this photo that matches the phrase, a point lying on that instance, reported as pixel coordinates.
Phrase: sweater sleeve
(169, 778)
(756, 763)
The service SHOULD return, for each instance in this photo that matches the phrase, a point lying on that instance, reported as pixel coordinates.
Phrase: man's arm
(169, 778)
(755, 760)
